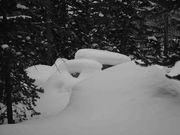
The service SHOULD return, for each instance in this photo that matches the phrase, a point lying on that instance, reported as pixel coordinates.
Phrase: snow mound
(40, 73)
(58, 82)
(175, 71)
(20, 6)
(163, 68)
(126, 99)
(51, 101)
(4, 46)
(85, 67)
(57, 90)
(102, 56)
(57, 63)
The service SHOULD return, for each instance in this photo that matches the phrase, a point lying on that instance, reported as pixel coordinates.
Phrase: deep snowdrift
(57, 82)
(123, 100)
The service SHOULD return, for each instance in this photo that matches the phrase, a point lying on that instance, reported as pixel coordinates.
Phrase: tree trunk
(7, 69)
(8, 91)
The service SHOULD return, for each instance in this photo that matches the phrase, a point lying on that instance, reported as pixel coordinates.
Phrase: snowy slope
(122, 100)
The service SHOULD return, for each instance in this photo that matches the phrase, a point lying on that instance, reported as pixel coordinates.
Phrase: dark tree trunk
(7, 78)
(8, 91)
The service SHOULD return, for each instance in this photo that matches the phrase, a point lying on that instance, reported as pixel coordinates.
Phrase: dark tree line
(39, 31)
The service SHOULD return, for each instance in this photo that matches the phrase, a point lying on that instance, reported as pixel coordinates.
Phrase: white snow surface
(163, 68)
(57, 90)
(102, 56)
(123, 100)
(4, 46)
(86, 67)
(20, 6)
(152, 38)
(40, 73)
(18, 16)
(175, 70)
(57, 82)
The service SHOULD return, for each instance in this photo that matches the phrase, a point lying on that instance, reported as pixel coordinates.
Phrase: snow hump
(102, 56)
(123, 100)
(175, 70)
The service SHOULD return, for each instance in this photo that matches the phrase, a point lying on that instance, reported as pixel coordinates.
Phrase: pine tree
(160, 45)
(22, 44)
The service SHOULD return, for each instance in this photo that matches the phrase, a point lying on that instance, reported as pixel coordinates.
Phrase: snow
(57, 63)
(19, 16)
(20, 6)
(102, 56)
(40, 73)
(85, 67)
(55, 85)
(175, 70)
(51, 99)
(28, 38)
(4, 46)
(125, 99)
(18, 53)
(101, 14)
(152, 38)
(57, 82)
(163, 68)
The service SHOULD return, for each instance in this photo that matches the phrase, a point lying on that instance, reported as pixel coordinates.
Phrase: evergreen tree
(160, 23)
(22, 44)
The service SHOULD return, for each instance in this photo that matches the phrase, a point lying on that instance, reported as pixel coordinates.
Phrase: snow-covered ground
(123, 100)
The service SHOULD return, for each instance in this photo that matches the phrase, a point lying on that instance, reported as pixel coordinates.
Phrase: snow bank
(51, 101)
(85, 67)
(175, 71)
(163, 68)
(19, 16)
(40, 73)
(126, 99)
(57, 82)
(20, 6)
(4, 46)
(57, 63)
(57, 90)
(102, 56)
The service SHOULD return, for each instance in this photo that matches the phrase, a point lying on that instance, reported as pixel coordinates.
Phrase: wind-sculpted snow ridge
(102, 56)
(123, 100)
